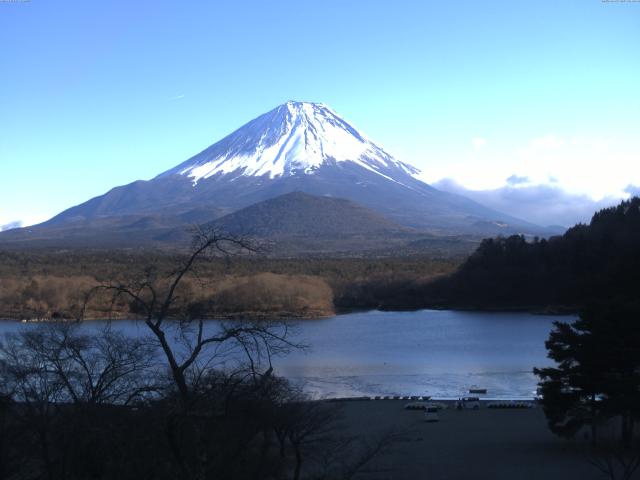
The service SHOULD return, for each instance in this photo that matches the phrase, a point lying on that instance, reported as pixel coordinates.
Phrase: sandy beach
(471, 444)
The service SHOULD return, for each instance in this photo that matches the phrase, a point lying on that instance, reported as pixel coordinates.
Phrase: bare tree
(62, 380)
(157, 298)
(194, 348)
(221, 412)
(80, 367)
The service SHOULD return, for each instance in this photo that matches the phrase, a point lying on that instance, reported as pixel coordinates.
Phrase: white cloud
(177, 97)
(540, 203)
(7, 223)
(595, 166)
(10, 225)
(516, 180)
(478, 142)
(547, 142)
(632, 190)
(598, 166)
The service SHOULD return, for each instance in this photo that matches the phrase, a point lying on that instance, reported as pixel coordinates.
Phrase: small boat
(478, 390)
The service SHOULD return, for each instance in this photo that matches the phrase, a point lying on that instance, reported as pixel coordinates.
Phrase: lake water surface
(429, 352)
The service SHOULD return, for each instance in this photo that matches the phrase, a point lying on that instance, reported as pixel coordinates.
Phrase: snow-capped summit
(296, 147)
(293, 138)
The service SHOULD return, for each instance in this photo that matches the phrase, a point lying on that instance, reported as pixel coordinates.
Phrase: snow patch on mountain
(294, 138)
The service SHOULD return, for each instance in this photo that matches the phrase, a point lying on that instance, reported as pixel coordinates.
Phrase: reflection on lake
(429, 352)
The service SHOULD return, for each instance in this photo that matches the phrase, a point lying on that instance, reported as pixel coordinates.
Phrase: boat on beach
(478, 391)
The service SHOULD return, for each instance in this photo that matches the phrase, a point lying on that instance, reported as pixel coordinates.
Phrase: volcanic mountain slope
(292, 224)
(129, 231)
(298, 222)
(299, 214)
(296, 147)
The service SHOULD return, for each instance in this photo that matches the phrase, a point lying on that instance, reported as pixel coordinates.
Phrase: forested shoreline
(54, 284)
(589, 263)
(556, 275)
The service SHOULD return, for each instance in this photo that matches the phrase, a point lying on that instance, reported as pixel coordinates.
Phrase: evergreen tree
(597, 376)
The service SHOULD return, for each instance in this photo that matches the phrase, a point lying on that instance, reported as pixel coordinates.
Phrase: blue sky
(99, 94)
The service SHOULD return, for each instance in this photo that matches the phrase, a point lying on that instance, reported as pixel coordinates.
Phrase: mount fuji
(296, 138)
(296, 147)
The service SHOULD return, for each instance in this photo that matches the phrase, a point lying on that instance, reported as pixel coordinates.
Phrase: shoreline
(450, 401)
(542, 311)
(238, 316)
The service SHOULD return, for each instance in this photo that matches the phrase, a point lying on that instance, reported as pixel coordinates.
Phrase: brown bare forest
(48, 284)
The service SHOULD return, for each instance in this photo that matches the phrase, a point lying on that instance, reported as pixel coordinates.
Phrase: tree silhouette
(157, 298)
(599, 261)
(597, 376)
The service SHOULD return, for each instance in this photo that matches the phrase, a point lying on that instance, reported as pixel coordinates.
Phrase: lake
(428, 352)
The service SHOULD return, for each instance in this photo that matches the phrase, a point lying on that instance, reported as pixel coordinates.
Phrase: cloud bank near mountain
(633, 190)
(543, 204)
(10, 225)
